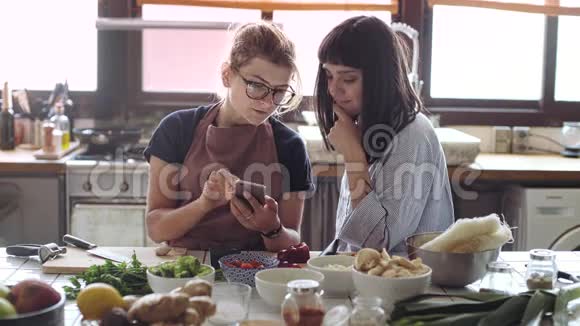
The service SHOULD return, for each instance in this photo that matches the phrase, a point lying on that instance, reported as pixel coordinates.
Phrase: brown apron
(247, 151)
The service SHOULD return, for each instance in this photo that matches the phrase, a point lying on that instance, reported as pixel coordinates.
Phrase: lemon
(97, 299)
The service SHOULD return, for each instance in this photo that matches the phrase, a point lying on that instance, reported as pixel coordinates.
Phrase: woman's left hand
(261, 218)
(345, 136)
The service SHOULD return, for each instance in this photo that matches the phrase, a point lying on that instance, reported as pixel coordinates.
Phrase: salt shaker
(498, 278)
(368, 311)
(542, 271)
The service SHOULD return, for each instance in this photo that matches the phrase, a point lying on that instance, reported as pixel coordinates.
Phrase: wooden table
(14, 269)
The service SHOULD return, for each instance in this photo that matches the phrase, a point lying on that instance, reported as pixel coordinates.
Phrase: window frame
(417, 14)
(545, 112)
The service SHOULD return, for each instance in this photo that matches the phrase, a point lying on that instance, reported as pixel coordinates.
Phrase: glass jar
(498, 278)
(571, 134)
(542, 271)
(303, 305)
(368, 311)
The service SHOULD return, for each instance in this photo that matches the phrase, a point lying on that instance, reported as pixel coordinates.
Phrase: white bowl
(390, 290)
(271, 284)
(336, 282)
(160, 284)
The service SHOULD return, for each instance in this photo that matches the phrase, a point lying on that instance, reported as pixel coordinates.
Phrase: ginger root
(129, 301)
(197, 287)
(193, 317)
(204, 306)
(158, 307)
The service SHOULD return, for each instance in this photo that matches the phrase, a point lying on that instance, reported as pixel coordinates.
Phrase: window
(486, 54)
(191, 58)
(307, 37)
(568, 62)
(187, 60)
(48, 46)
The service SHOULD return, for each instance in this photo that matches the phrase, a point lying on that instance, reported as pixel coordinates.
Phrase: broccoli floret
(167, 270)
(184, 266)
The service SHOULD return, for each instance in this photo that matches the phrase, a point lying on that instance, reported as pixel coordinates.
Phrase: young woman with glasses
(197, 155)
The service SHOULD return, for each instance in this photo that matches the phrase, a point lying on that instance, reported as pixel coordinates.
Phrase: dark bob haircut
(389, 101)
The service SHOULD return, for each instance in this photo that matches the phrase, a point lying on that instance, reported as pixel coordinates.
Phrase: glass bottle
(498, 278)
(368, 311)
(303, 305)
(61, 123)
(542, 271)
(6, 121)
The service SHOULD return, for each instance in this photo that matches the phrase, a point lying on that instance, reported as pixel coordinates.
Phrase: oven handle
(114, 201)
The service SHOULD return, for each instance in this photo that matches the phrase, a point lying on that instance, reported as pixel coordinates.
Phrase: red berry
(247, 266)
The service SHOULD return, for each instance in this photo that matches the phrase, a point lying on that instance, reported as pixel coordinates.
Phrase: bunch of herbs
(127, 278)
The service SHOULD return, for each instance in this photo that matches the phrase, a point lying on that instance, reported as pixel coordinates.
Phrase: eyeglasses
(259, 91)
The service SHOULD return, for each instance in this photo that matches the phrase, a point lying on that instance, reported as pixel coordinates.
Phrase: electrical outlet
(501, 139)
(521, 139)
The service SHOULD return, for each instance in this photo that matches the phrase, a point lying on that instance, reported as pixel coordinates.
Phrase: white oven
(106, 202)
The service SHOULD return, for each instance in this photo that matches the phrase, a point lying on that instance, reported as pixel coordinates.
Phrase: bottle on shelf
(62, 124)
(6, 120)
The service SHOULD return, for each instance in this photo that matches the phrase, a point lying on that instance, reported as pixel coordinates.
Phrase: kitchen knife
(93, 250)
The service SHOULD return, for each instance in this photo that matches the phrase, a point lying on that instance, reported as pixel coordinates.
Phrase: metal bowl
(51, 316)
(450, 269)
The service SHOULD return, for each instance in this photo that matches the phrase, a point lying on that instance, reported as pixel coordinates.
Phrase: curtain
(318, 222)
(547, 7)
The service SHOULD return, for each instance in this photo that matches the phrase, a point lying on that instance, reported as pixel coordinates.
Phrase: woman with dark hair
(395, 182)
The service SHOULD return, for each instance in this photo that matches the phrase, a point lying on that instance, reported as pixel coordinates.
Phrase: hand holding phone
(255, 189)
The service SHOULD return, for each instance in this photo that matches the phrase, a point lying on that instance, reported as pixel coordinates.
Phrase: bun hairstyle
(266, 41)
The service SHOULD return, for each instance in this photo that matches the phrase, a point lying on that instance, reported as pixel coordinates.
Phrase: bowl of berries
(242, 267)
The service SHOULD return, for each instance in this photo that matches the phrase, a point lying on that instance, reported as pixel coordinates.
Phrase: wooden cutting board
(77, 260)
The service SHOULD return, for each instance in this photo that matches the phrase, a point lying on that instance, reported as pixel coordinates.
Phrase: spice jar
(542, 271)
(498, 278)
(303, 305)
(47, 140)
(368, 311)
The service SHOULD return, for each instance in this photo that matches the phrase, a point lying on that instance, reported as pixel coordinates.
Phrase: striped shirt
(410, 194)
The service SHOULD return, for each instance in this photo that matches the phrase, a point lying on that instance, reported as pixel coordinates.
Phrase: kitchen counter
(487, 167)
(14, 269)
(23, 161)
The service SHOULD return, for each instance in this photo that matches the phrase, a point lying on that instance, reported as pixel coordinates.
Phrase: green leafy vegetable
(474, 309)
(127, 278)
(183, 267)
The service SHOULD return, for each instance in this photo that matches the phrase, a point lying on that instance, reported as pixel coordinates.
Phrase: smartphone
(257, 190)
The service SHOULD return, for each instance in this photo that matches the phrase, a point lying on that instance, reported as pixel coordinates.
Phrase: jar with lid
(498, 278)
(542, 271)
(303, 305)
(368, 311)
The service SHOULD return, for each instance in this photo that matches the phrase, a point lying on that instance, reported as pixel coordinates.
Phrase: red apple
(33, 295)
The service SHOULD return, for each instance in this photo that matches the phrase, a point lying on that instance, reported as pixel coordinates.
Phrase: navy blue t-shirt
(173, 137)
